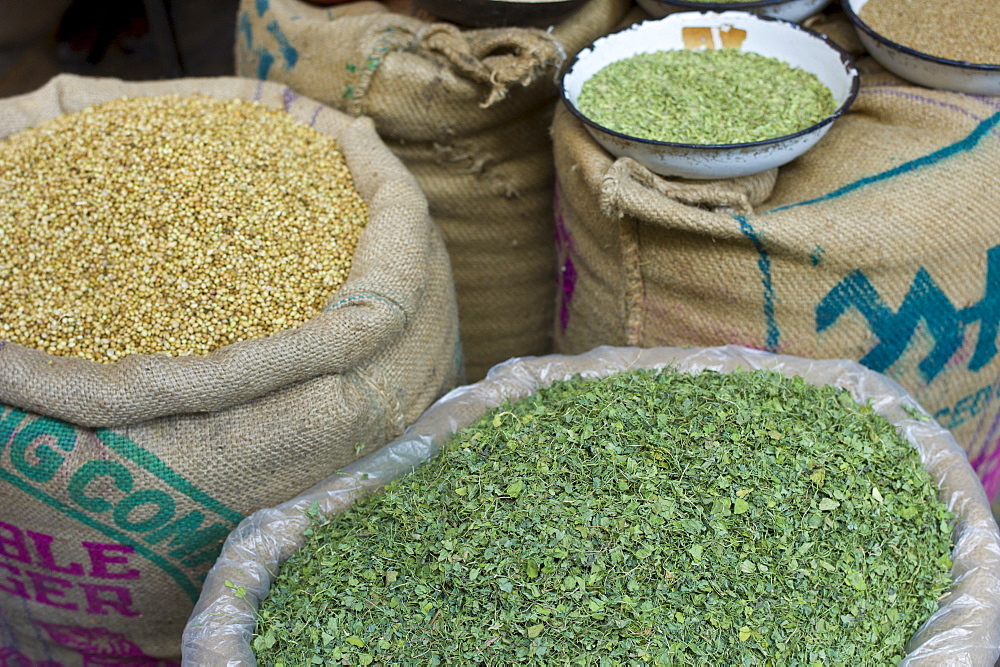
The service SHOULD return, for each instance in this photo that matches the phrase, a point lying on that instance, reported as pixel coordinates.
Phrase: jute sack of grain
(468, 112)
(881, 244)
(120, 481)
(965, 630)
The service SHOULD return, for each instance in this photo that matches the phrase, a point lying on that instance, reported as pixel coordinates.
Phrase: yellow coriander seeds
(170, 225)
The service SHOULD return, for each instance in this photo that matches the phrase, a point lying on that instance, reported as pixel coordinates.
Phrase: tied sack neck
(496, 57)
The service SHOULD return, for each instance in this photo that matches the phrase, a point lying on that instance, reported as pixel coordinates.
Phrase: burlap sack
(965, 630)
(881, 244)
(119, 482)
(468, 112)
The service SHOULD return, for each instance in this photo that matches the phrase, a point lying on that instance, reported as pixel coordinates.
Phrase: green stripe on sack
(963, 146)
(149, 462)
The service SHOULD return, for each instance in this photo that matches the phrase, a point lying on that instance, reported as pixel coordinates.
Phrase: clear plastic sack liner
(965, 630)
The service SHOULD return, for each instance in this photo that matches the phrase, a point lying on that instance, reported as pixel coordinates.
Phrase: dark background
(127, 39)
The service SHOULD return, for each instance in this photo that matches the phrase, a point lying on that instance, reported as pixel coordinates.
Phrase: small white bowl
(923, 69)
(783, 40)
(788, 10)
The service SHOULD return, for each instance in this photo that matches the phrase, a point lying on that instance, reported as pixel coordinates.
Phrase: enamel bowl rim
(852, 15)
(845, 58)
(713, 6)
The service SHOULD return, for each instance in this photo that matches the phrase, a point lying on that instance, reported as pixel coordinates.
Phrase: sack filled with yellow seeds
(214, 293)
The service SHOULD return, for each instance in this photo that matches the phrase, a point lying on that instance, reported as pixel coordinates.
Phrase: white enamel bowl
(783, 40)
(788, 10)
(923, 69)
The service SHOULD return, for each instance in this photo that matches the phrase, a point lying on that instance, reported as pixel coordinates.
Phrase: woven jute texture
(119, 482)
(468, 112)
(880, 245)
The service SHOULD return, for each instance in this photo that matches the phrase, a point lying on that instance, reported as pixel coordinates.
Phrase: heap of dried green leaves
(738, 519)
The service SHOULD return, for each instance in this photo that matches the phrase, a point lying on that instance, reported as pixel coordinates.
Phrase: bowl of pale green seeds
(710, 95)
(789, 10)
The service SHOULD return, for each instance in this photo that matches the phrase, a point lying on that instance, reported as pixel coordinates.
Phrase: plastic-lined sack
(468, 112)
(120, 481)
(965, 630)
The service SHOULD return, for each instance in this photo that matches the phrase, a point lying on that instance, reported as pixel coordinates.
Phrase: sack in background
(964, 630)
(468, 112)
(881, 245)
(24, 24)
(120, 481)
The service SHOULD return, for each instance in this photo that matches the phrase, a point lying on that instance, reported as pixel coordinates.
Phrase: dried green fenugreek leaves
(645, 517)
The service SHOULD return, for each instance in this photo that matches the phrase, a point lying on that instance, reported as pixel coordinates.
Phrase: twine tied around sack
(499, 57)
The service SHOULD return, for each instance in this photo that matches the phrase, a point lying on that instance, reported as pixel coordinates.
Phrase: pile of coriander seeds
(170, 225)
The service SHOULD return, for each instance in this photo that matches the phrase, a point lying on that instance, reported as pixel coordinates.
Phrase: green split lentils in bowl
(723, 96)
(705, 95)
(170, 224)
(645, 517)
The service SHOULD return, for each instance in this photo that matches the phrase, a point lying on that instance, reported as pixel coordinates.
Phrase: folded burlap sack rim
(365, 315)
